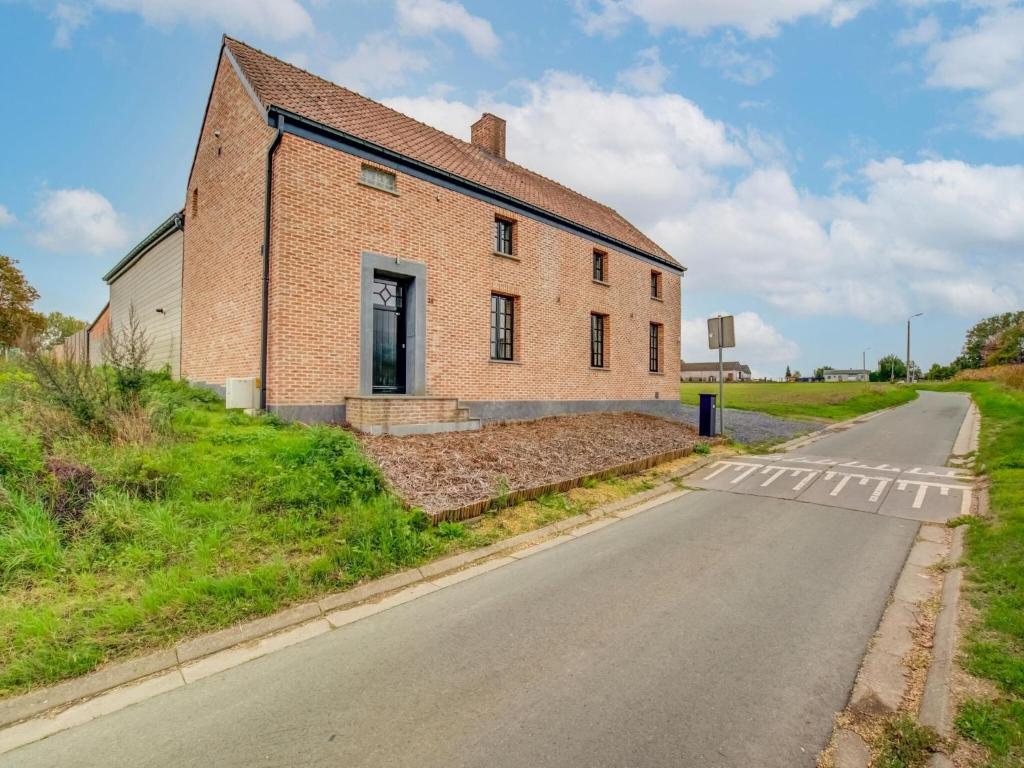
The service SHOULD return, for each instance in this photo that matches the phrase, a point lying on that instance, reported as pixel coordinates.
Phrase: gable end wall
(222, 265)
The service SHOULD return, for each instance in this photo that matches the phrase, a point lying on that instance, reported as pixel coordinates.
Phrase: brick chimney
(488, 133)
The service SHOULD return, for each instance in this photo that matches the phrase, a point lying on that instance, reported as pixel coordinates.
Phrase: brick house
(731, 370)
(369, 268)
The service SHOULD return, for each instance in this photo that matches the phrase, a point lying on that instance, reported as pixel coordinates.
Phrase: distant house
(834, 374)
(732, 371)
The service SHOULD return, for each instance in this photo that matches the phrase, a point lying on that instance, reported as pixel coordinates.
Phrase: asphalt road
(715, 630)
(921, 432)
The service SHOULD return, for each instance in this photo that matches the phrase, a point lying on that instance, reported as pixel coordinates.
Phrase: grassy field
(814, 401)
(994, 646)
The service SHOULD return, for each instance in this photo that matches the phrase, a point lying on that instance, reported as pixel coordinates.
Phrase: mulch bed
(451, 470)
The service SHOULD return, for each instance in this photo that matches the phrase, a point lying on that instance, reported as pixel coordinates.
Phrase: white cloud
(940, 235)
(743, 67)
(277, 19)
(76, 220)
(646, 150)
(756, 18)
(426, 17)
(68, 18)
(647, 75)
(924, 32)
(987, 58)
(758, 344)
(7, 219)
(378, 62)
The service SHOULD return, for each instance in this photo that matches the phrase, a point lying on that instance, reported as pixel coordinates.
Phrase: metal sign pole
(721, 380)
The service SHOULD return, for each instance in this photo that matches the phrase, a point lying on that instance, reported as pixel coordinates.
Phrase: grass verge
(810, 401)
(994, 556)
(188, 518)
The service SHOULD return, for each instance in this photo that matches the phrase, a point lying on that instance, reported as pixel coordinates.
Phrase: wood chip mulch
(449, 470)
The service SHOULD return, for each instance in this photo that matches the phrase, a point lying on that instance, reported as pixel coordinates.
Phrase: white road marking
(877, 494)
(803, 483)
(878, 468)
(773, 478)
(840, 485)
(965, 503)
(951, 474)
(919, 498)
(743, 475)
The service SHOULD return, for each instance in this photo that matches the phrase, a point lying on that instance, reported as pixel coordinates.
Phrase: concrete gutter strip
(207, 654)
(935, 708)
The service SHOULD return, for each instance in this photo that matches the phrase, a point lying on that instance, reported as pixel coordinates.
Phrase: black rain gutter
(303, 127)
(172, 223)
(265, 319)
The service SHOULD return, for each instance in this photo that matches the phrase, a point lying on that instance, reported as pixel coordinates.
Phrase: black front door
(388, 335)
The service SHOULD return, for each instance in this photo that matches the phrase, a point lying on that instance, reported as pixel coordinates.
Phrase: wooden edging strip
(187, 652)
(476, 508)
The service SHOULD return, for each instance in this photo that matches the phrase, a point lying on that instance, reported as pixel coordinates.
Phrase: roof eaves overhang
(312, 130)
(172, 223)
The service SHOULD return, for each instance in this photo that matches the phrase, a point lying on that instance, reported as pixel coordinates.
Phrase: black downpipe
(265, 319)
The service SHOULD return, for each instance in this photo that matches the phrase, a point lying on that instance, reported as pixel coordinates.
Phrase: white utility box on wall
(242, 393)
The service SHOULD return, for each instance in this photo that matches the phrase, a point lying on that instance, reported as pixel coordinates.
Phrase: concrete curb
(882, 680)
(935, 709)
(40, 713)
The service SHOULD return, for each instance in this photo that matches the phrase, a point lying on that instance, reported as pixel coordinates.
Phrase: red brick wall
(222, 267)
(324, 219)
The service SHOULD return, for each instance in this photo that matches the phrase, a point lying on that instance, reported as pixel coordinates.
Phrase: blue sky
(823, 167)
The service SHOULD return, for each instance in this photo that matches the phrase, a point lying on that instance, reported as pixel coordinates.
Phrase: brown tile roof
(279, 84)
(726, 366)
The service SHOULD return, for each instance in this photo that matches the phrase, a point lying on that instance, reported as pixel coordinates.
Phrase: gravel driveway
(755, 427)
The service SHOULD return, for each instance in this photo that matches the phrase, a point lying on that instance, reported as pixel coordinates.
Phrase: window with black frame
(597, 340)
(655, 284)
(502, 327)
(655, 348)
(601, 266)
(503, 236)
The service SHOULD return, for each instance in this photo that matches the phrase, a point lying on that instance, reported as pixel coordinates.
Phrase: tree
(890, 368)
(980, 341)
(939, 372)
(789, 375)
(58, 327)
(819, 373)
(16, 300)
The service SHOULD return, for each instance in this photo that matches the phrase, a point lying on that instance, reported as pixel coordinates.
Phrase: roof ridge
(505, 175)
(466, 144)
(333, 84)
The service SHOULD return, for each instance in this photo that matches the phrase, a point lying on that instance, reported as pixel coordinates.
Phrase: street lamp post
(908, 343)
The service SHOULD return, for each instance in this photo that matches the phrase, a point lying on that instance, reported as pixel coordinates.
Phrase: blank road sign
(721, 332)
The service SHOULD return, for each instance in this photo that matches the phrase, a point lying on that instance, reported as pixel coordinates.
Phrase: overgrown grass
(904, 744)
(201, 518)
(994, 555)
(218, 517)
(817, 401)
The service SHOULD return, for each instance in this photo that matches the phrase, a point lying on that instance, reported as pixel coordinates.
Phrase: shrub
(69, 489)
(127, 353)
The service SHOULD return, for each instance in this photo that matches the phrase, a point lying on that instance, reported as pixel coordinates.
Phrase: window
(503, 236)
(601, 266)
(655, 284)
(195, 203)
(655, 348)
(502, 327)
(378, 178)
(597, 340)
